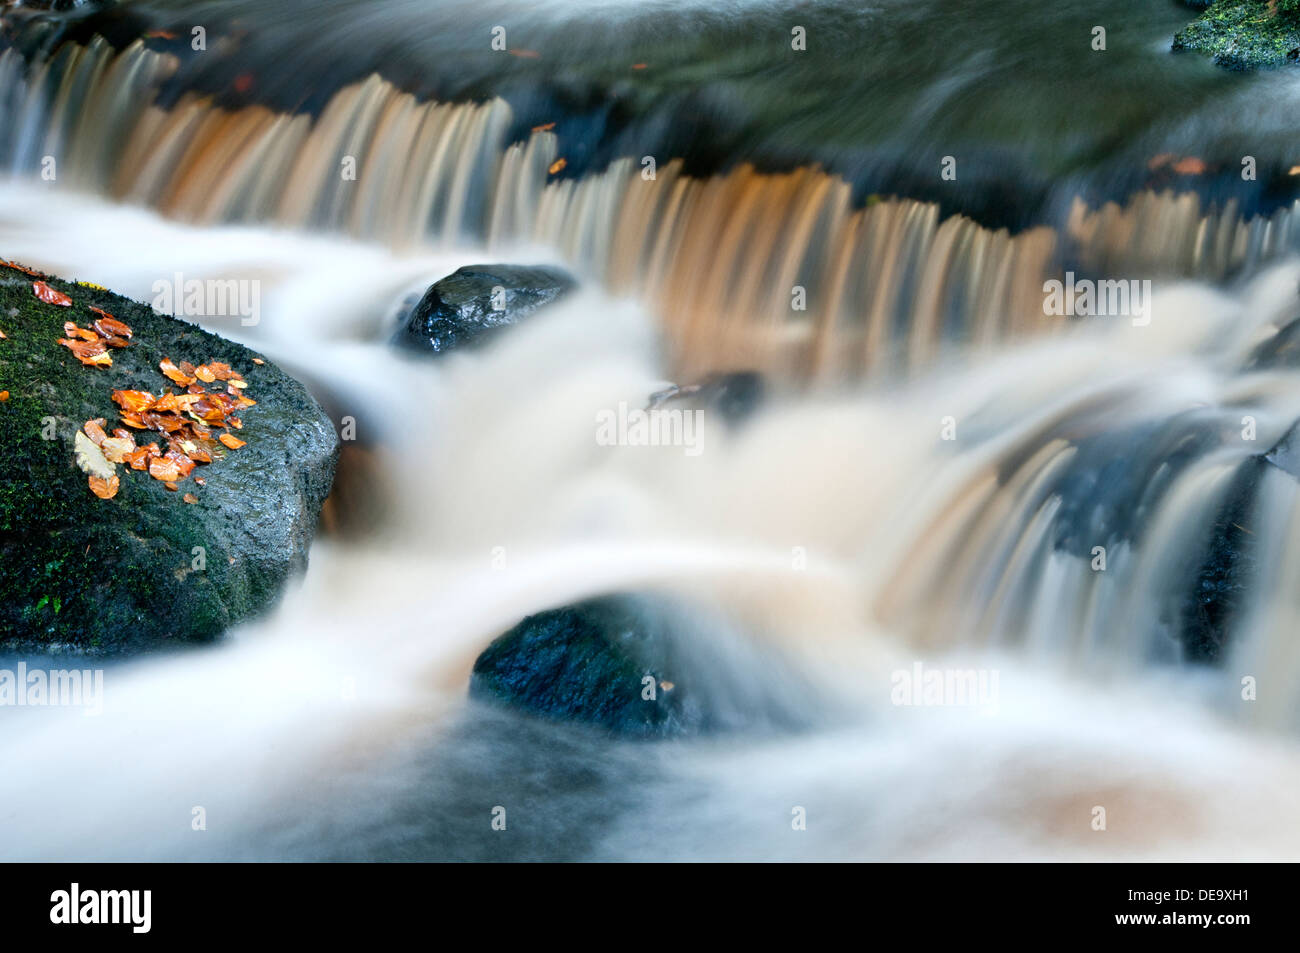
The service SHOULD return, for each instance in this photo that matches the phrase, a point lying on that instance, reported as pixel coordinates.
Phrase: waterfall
(778, 272)
(1105, 513)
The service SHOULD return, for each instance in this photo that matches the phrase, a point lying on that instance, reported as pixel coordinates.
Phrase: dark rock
(460, 310)
(595, 663)
(734, 396)
(119, 575)
(1229, 571)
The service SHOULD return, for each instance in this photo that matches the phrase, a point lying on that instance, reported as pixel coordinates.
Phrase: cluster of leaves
(90, 345)
(187, 421)
(195, 424)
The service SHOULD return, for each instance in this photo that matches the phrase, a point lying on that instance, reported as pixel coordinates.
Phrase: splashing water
(338, 725)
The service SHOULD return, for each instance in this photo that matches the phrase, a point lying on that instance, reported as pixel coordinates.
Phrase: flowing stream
(928, 485)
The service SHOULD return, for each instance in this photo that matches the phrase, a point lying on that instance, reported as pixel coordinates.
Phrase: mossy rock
(1245, 34)
(642, 667)
(119, 575)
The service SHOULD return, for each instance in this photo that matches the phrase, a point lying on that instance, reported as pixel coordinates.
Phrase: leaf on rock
(90, 458)
(51, 296)
(104, 489)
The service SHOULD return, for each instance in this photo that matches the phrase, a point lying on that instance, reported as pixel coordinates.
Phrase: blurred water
(338, 727)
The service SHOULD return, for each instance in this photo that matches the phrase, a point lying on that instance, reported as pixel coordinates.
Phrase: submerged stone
(472, 305)
(735, 396)
(144, 568)
(641, 668)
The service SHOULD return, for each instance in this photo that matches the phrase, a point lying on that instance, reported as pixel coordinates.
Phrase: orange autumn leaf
(231, 441)
(138, 458)
(95, 431)
(90, 353)
(545, 127)
(256, 360)
(161, 468)
(204, 373)
(558, 165)
(51, 296)
(133, 401)
(104, 489)
(85, 334)
(174, 373)
(17, 267)
(109, 327)
(190, 498)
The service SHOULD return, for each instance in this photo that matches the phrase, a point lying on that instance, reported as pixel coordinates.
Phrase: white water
(336, 715)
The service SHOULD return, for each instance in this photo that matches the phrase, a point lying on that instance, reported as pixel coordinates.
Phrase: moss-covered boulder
(149, 566)
(1245, 34)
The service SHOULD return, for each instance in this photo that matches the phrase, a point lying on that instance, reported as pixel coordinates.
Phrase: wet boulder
(734, 396)
(475, 303)
(640, 667)
(144, 565)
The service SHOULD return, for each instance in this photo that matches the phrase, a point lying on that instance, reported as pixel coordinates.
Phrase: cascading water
(952, 516)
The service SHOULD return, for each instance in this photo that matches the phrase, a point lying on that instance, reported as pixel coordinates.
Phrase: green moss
(1245, 34)
(116, 575)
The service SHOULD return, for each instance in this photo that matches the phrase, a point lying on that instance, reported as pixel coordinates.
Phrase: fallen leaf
(231, 441)
(161, 468)
(17, 267)
(558, 165)
(133, 401)
(256, 360)
(95, 431)
(91, 353)
(90, 459)
(117, 449)
(174, 373)
(190, 498)
(545, 127)
(104, 489)
(1190, 166)
(50, 296)
(109, 326)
